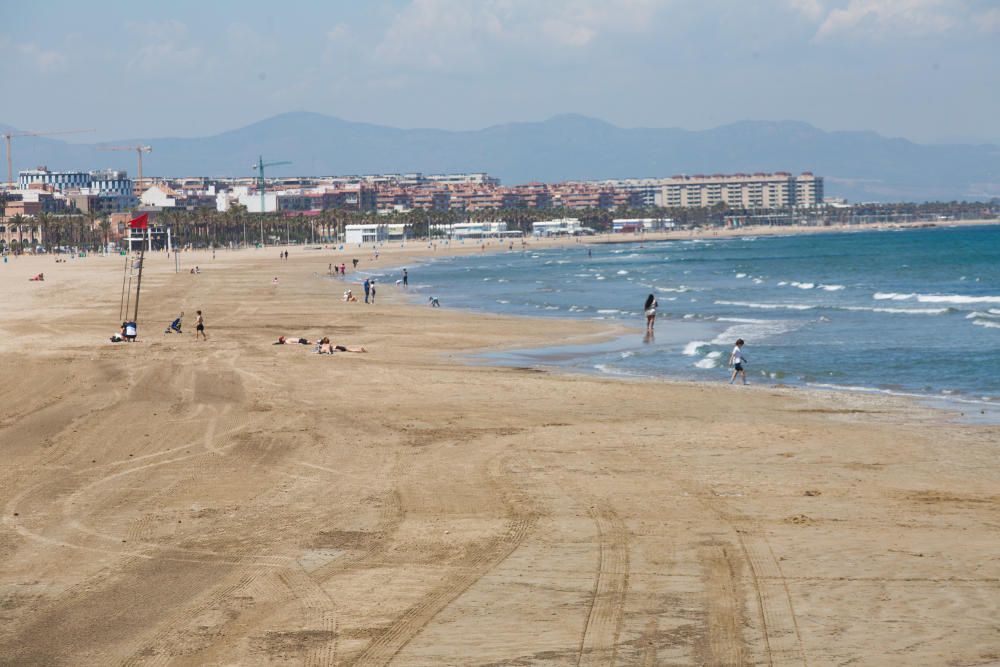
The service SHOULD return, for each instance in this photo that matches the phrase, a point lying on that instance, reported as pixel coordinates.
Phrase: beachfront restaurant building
(558, 227)
(636, 225)
(471, 230)
(370, 233)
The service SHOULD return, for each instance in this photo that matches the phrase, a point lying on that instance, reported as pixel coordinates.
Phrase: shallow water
(914, 311)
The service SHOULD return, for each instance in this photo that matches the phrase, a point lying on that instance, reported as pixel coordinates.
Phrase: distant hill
(862, 166)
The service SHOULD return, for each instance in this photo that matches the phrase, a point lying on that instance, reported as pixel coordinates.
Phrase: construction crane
(10, 135)
(139, 150)
(259, 168)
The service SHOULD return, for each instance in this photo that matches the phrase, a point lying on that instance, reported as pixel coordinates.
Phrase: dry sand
(231, 502)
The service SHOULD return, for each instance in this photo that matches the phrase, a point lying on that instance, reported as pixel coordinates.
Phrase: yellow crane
(139, 150)
(11, 135)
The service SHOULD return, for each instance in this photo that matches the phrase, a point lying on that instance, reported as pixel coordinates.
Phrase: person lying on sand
(39, 278)
(291, 340)
(326, 347)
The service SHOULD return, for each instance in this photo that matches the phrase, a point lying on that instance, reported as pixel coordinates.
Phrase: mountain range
(862, 166)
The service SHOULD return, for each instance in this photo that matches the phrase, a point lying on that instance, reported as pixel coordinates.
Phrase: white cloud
(876, 18)
(32, 55)
(988, 21)
(463, 35)
(163, 45)
(811, 9)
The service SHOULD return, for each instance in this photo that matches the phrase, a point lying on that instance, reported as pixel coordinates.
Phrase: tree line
(206, 228)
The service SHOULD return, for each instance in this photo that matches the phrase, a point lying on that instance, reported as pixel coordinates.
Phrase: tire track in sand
(315, 603)
(723, 644)
(467, 571)
(782, 639)
(599, 640)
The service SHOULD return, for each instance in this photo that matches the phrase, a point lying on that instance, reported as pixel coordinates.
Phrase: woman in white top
(737, 359)
(650, 310)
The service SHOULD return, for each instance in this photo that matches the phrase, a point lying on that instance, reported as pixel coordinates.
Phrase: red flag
(142, 222)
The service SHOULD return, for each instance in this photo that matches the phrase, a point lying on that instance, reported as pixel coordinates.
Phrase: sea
(913, 312)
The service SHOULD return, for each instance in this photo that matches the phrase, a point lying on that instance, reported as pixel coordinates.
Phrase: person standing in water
(737, 360)
(406, 278)
(650, 310)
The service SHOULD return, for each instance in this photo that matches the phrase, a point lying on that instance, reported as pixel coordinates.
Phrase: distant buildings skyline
(105, 191)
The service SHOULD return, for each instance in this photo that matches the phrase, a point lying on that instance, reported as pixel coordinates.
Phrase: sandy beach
(232, 502)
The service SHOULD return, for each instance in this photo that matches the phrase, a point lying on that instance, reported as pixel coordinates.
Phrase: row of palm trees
(237, 228)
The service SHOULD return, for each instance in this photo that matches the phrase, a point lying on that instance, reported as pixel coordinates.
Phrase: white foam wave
(623, 272)
(936, 298)
(756, 331)
(710, 361)
(803, 285)
(990, 314)
(742, 320)
(741, 275)
(832, 288)
(766, 306)
(892, 296)
(691, 349)
(987, 324)
(609, 311)
(898, 311)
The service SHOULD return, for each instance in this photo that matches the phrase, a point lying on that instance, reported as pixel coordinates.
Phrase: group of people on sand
(737, 359)
(322, 346)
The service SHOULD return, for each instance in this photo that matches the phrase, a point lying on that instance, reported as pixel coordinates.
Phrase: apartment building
(759, 190)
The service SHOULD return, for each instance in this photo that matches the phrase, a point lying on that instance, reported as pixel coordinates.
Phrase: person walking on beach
(373, 290)
(650, 310)
(343, 270)
(199, 327)
(368, 289)
(355, 260)
(406, 278)
(737, 360)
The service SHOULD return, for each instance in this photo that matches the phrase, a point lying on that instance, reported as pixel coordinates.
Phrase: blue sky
(927, 70)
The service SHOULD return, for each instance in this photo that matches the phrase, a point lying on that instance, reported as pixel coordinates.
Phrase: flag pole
(138, 283)
(121, 308)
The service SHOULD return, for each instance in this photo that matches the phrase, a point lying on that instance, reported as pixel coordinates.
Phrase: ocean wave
(802, 285)
(623, 272)
(987, 324)
(741, 320)
(756, 331)
(990, 314)
(897, 311)
(936, 298)
(832, 288)
(609, 311)
(741, 275)
(691, 349)
(766, 306)
(710, 361)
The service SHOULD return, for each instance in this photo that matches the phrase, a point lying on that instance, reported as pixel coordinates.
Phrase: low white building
(558, 227)
(471, 230)
(370, 233)
(624, 225)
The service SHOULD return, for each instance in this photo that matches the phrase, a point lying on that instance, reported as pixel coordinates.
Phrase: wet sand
(233, 502)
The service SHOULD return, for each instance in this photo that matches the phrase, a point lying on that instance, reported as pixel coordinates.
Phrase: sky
(925, 70)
